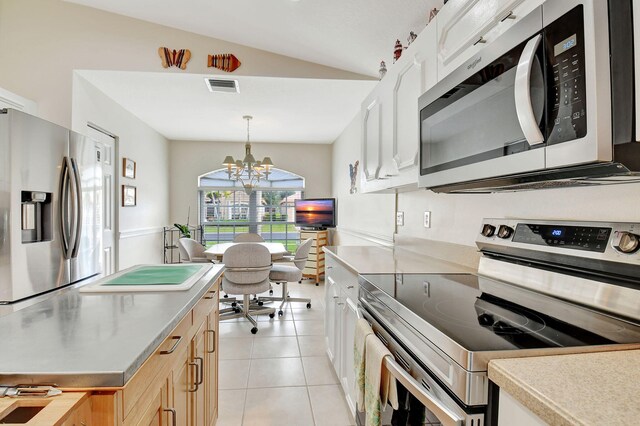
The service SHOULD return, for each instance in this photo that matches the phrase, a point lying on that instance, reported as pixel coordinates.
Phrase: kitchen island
(139, 355)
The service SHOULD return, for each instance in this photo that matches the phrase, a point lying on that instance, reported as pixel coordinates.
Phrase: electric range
(542, 288)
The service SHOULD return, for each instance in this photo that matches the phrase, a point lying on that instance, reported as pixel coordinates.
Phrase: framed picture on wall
(128, 168)
(129, 196)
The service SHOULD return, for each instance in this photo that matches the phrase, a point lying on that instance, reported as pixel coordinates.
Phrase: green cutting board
(156, 275)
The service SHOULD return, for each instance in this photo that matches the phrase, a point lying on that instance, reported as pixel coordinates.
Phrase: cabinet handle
(212, 295)
(213, 339)
(174, 415)
(340, 303)
(196, 385)
(177, 339)
(480, 40)
(335, 297)
(349, 286)
(200, 370)
(329, 267)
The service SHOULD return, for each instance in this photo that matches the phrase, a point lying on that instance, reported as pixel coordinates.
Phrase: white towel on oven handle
(380, 385)
(363, 329)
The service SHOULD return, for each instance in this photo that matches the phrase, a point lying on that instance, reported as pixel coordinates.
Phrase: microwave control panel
(566, 97)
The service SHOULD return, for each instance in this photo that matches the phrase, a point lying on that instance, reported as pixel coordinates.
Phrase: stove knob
(488, 230)
(628, 243)
(504, 231)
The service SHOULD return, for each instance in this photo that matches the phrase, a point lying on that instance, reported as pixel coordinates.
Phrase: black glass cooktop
(481, 314)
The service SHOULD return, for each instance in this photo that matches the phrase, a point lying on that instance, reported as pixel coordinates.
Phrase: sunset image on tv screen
(314, 212)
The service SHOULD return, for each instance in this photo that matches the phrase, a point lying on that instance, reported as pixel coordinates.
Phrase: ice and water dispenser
(36, 217)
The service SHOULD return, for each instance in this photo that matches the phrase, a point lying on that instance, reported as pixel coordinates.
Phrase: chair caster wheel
(236, 310)
(226, 296)
(272, 314)
(308, 305)
(260, 303)
(254, 330)
(300, 282)
(234, 304)
(280, 313)
(317, 284)
(270, 292)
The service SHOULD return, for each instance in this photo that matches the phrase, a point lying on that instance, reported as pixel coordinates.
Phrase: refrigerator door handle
(64, 208)
(78, 207)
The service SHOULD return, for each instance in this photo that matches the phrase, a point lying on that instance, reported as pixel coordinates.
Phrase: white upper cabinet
(390, 120)
(466, 26)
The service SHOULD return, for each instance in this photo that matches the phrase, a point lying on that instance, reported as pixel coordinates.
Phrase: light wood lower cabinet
(176, 386)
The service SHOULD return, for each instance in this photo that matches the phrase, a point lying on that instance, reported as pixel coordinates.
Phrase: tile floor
(282, 375)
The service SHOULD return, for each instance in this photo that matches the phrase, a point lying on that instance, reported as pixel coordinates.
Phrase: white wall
(191, 159)
(43, 41)
(456, 218)
(362, 218)
(140, 226)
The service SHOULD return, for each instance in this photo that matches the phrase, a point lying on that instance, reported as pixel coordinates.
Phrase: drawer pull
(212, 333)
(481, 40)
(177, 339)
(510, 15)
(212, 293)
(350, 286)
(174, 415)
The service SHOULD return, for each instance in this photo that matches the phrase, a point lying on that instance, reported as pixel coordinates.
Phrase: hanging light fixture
(248, 171)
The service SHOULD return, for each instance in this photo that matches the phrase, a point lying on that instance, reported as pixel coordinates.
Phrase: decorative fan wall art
(174, 58)
(225, 62)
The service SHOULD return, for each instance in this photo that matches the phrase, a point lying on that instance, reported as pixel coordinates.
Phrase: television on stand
(316, 213)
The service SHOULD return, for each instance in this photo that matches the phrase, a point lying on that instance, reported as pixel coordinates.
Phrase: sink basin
(150, 278)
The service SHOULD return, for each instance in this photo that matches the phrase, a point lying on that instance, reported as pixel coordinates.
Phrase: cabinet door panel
(371, 133)
(181, 384)
(211, 362)
(348, 378)
(329, 322)
(409, 86)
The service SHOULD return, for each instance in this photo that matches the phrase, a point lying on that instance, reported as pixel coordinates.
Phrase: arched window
(226, 210)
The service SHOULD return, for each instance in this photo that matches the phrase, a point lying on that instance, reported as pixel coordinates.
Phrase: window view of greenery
(225, 214)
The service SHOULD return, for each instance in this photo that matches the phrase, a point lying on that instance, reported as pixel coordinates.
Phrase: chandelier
(248, 172)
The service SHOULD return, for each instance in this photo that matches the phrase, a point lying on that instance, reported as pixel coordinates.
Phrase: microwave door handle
(522, 93)
(78, 204)
(442, 412)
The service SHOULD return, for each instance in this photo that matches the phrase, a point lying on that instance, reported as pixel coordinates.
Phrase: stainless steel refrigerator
(51, 198)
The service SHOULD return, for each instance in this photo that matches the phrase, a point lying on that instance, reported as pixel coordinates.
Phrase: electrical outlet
(427, 219)
(400, 218)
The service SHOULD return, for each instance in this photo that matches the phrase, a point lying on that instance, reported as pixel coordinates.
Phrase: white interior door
(109, 175)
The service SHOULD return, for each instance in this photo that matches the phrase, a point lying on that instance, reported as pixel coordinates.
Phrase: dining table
(215, 252)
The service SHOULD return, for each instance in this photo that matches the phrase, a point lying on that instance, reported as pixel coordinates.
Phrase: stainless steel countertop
(90, 339)
(383, 260)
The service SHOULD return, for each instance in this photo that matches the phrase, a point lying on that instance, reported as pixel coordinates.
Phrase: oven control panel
(599, 240)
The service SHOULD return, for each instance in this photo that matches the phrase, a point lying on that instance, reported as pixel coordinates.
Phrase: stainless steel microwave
(549, 103)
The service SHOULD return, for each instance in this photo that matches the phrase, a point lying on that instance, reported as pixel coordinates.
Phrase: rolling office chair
(248, 237)
(247, 268)
(283, 274)
(192, 251)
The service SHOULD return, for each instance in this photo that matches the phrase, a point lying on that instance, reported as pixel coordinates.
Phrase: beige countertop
(583, 389)
(383, 260)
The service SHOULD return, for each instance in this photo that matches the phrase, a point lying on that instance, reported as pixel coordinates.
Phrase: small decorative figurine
(383, 69)
(225, 62)
(411, 38)
(174, 58)
(433, 13)
(353, 173)
(397, 51)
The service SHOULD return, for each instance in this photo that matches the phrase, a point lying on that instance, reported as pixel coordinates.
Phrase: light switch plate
(427, 219)
(400, 218)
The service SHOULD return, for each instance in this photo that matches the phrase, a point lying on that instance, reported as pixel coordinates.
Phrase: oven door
(487, 118)
(423, 401)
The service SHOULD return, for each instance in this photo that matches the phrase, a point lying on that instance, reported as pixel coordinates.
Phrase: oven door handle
(522, 93)
(442, 412)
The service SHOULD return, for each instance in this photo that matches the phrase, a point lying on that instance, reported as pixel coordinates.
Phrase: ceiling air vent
(220, 85)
